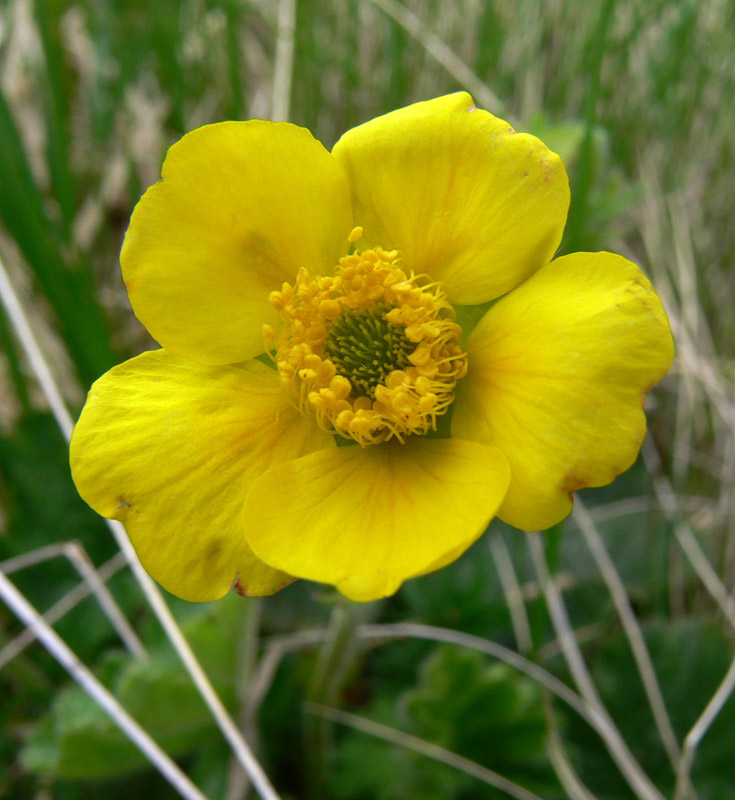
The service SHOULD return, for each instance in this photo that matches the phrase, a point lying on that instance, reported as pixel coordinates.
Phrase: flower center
(370, 352)
(365, 347)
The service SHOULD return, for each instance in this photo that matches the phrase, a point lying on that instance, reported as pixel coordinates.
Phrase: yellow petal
(170, 448)
(242, 205)
(558, 374)
(461, 195)
(368, 519)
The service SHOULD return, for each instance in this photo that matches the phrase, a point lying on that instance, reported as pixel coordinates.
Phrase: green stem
(539, 614)
(248, 653)
(332, 661)
(237, 781)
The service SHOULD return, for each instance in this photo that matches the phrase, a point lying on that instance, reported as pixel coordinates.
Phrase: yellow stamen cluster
(370, 352)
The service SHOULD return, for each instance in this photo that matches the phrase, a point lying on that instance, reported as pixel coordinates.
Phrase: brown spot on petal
(214, 548)
(121, 512)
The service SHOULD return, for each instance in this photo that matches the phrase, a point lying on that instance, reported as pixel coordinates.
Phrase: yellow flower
(346, 267)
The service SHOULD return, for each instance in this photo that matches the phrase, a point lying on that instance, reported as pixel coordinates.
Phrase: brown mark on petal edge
(646, 391)
(572, 481)
(244, 591)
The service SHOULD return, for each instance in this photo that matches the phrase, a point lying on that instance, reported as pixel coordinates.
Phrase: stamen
(370, 352)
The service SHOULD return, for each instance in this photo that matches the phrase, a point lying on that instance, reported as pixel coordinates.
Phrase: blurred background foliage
(636, 95)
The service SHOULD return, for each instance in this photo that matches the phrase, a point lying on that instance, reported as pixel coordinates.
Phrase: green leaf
(78, 740)
(478, 709)
(690, 659)
(484, 711)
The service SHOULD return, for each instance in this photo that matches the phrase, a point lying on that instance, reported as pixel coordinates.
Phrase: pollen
(370, 352)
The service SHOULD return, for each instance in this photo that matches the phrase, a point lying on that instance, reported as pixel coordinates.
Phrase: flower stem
(238, 782)
(332, 662)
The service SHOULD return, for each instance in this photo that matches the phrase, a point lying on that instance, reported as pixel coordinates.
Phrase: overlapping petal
(171, 447)
(368, 519)
(459, 193)
(240, 208)
(559, 371)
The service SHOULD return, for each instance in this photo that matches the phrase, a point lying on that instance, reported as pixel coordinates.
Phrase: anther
(355, 234)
